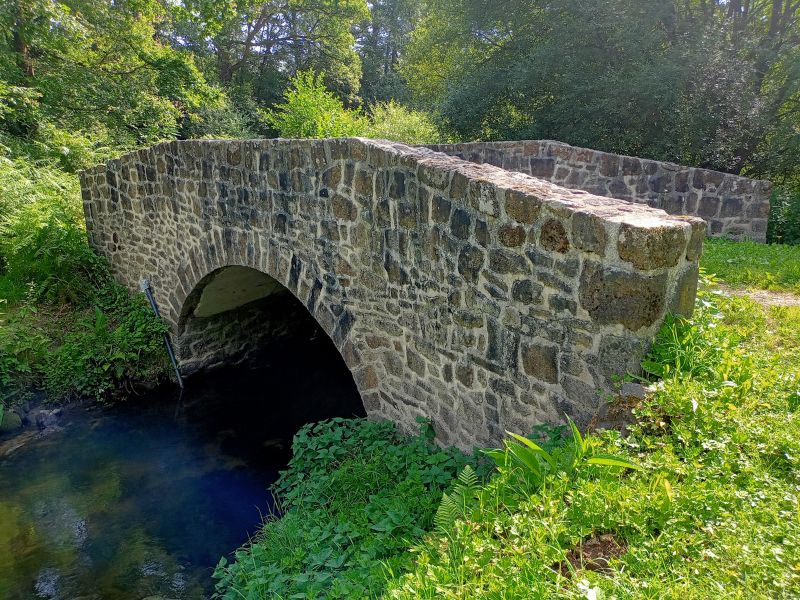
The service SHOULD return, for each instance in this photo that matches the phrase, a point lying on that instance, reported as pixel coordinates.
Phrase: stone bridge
(484, 299)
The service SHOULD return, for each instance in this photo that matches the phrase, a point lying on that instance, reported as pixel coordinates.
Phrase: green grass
(753, 265)
(713, 513)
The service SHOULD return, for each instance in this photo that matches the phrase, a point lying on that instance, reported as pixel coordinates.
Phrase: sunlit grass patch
(753, 265)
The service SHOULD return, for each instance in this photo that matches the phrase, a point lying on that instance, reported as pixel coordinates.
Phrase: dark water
(142, 500)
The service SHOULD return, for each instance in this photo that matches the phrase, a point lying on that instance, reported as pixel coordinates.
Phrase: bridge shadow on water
(142, 499)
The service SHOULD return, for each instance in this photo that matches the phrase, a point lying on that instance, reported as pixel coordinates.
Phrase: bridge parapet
(481, 298)
(733, 206)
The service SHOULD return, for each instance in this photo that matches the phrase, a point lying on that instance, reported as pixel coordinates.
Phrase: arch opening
(241, 327)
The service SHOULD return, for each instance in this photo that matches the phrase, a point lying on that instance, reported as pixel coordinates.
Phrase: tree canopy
(712, 83)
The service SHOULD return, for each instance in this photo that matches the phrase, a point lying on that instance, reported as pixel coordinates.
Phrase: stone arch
(220, 252)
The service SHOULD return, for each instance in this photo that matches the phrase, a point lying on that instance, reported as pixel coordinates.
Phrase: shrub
(69, 328)
(784, 216)
(120, 341)
(225, 120)
(310, 110)
(22, 350)
(43, 249)
(392, 121)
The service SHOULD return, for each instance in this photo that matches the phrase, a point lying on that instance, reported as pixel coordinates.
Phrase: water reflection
(142, 500)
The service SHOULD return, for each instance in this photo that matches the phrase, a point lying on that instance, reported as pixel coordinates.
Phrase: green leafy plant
(537, 464)
(454, 504)
(784, 215)
(393, 121)
(310, 110)
(118, 342)
(355, 497)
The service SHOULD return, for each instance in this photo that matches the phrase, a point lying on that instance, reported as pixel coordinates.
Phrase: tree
(257, 45)
(381, 43)
(709, 83)
(310, 110)
(87, 73)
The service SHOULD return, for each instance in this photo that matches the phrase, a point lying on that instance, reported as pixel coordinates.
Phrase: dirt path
(765, 297)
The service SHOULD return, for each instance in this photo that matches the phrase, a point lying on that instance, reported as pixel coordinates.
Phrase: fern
(447, 513)
(454, 505)
(467, 479)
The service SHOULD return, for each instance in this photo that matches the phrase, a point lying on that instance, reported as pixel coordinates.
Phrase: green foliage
(23, 349)
(121, 342)
(753, 265)
(537, 464)
(454, 504)
(309, 110)
(696, 347)
(392, 121)
(356, 495)
(43, 250)
(258, 44)
(68, 329)
(784, 216)
(220, 122)
(92, 352)
(713, 84)
(382, 43)
(102, 71)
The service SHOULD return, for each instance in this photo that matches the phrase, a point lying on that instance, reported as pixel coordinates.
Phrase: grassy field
(752, 265)
(711, 513)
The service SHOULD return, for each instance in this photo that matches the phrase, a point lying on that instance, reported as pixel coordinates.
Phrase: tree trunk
(21, 42)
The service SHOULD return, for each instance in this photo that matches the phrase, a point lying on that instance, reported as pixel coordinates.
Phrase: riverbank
(140, 498)
(713, 511)
(67, 330)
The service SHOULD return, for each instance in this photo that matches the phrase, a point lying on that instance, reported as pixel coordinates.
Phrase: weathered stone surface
(511, 236)
(613, 296)
(683, 297)
(736, 204)
(440, 209)
(541, 362)
(460, 224)
(650, 248)
(588, 233)
(504, 262)
(554, 236)
(470, 262)
(522, 208)
(483, 299)
(526, 291)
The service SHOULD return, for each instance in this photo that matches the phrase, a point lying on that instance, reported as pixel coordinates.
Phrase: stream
(142, 499)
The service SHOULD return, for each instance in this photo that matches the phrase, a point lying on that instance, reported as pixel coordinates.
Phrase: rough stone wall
(484, 299)
(238, 336)
(732, 206)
